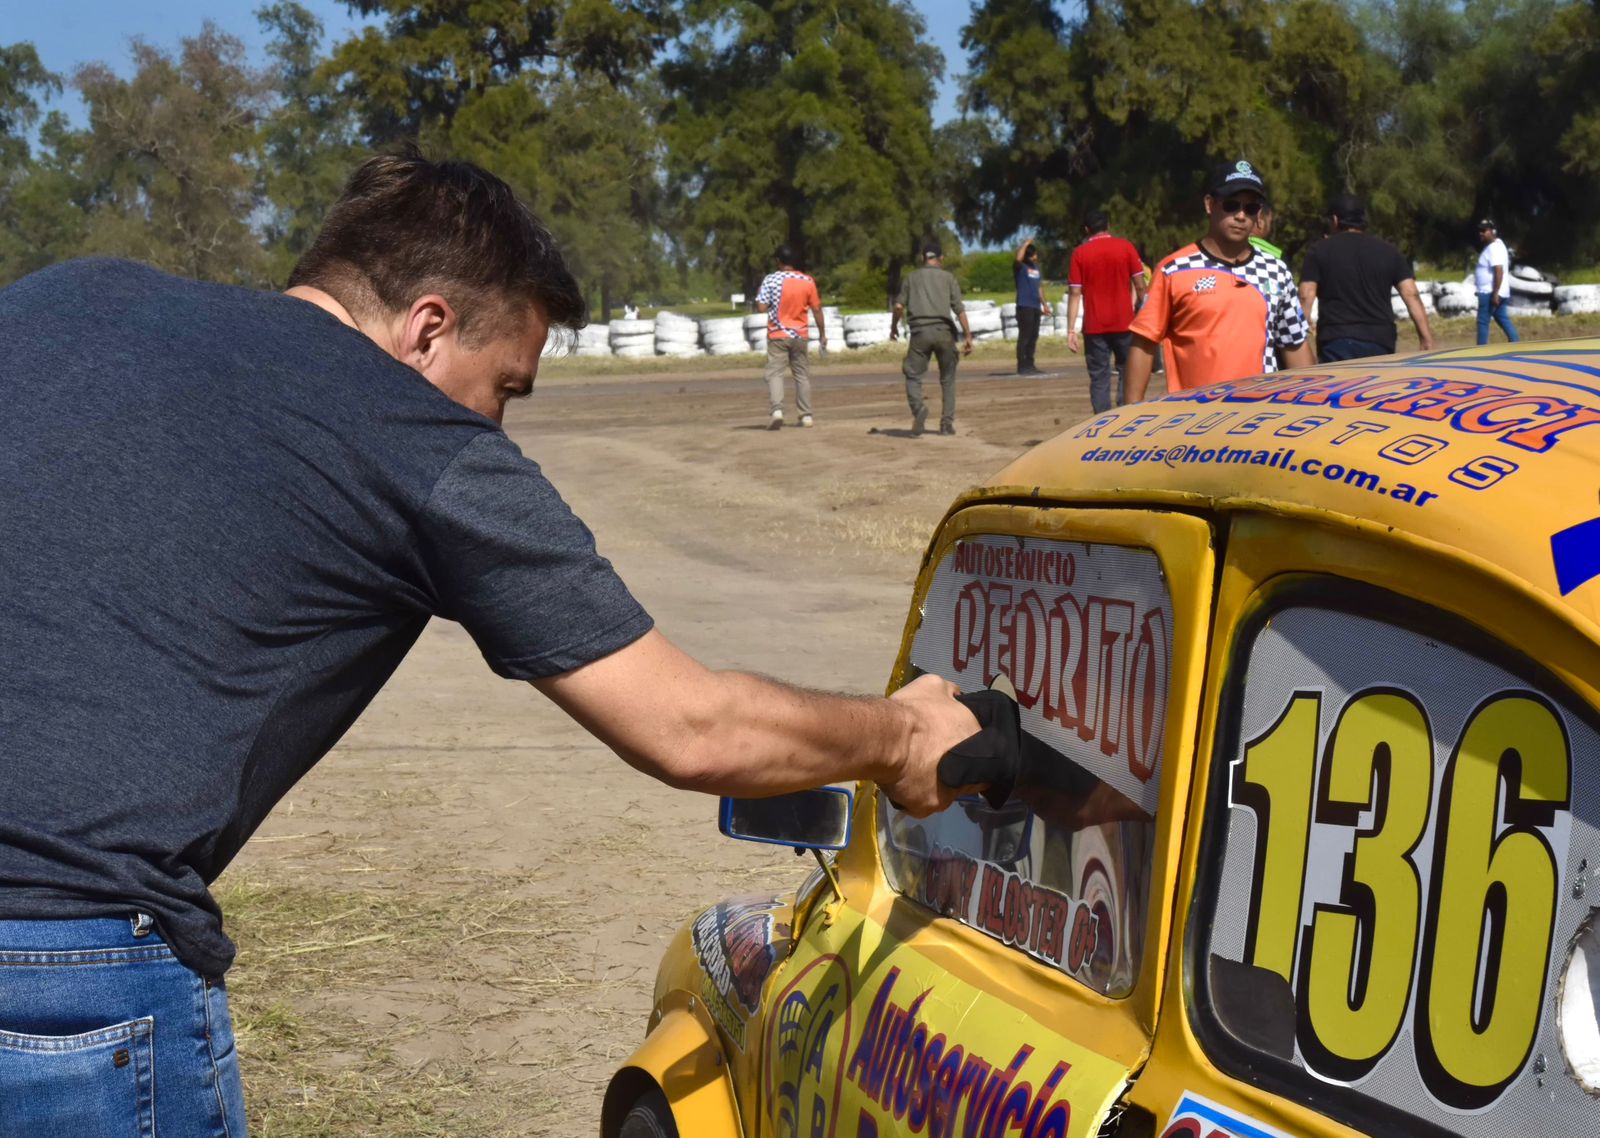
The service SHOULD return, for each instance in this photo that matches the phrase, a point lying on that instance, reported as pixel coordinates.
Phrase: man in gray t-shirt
(928, 298)
(227, 517)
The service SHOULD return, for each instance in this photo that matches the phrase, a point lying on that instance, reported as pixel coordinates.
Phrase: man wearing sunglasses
(1226, 306)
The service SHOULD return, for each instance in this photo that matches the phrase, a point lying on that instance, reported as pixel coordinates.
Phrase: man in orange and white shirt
(1223, 306)
(789, 295)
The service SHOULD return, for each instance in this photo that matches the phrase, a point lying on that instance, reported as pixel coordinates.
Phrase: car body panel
(1461, 515)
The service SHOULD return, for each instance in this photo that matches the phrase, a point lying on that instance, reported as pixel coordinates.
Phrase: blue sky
(69, 32)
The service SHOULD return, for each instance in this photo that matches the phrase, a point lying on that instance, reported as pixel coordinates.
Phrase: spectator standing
(789, 296)
(1224, 305)
(1030, 305)
(1493, 280)
(1105, 279)
(930, 302)
(1348, 275)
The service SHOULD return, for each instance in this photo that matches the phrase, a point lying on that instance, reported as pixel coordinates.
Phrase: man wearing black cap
(1226, 306)
(1348, 274)
(1493, 280)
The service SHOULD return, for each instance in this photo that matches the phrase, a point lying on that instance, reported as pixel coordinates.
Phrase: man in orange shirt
(788, 295)
(1223, 305)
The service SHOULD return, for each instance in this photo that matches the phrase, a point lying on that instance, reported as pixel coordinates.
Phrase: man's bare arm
(966, 333)
(1419, 314)
(1308, 298)
(894, 321)
(822, 327)
(1298, 356)
(1074, 302)
(671, 717)
(1141, 361)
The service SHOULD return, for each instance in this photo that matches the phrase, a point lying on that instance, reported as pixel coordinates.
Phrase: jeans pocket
(66, 1086)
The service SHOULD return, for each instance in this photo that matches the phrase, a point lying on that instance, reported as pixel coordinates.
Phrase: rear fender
(683, 1057)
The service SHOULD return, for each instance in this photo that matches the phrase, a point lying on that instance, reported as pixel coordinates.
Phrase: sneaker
(919, 423)
(947, 428)
(807, 421)
(776, 421)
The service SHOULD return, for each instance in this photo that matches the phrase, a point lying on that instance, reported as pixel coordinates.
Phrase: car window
(1081, 635)
(1395, 864)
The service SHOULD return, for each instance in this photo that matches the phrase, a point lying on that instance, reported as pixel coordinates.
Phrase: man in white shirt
(1493, 280)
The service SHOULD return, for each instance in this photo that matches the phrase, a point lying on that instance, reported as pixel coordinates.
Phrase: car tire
(650, 1117)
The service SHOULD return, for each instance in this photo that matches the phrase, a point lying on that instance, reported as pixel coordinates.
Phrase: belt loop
(142, 923)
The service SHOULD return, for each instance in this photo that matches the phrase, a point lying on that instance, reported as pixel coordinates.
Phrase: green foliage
(793, 121)
(168, 164)
(1437, 111)
(989, 272)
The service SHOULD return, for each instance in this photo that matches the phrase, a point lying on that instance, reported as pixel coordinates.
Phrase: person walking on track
(930, 302)
(1103, 278)
(789, 296)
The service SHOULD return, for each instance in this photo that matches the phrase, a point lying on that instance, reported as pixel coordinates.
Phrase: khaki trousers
(788, 355)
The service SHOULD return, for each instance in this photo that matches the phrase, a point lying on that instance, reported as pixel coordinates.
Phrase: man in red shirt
(1225, 306)
(788, 295)
(1102, 270)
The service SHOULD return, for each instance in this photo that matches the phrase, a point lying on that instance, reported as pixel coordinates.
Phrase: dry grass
(323, 997)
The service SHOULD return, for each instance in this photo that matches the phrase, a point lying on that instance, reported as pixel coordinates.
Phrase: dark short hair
(787, 256)
(406, 226)
(1096, 220)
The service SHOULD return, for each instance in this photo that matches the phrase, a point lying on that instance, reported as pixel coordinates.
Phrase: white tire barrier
(1008, 311)
(984, 320)
(754, 320)
(730, 327)
(631, 327)
(642, 340)
(866, 321)
(1577, 300)
(736, 348)
(635, 351)
(595, 350)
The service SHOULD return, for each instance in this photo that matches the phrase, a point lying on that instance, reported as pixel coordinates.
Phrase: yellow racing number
(1356, 965)
(1483, 926)
(1494, 907)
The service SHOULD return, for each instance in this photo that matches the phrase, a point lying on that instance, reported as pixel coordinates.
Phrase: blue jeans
(1349, 348)
(103, 1032)
(1502, 317)
(1099, 349)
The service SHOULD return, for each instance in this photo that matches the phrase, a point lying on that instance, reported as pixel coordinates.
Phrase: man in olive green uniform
(928, 297)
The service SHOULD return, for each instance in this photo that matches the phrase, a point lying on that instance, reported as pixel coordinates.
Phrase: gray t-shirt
(929, 295)
(225, 517)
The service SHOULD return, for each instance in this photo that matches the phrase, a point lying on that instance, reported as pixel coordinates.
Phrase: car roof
(1491, 453)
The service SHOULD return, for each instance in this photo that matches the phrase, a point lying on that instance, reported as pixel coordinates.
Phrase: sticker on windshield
(1080, 635)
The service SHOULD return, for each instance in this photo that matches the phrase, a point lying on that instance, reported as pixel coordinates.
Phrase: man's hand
(1073, 343)
(966, 344)
(939, 722)
(894, 331)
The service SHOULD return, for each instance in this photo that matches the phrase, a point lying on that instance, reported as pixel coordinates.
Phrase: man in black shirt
(1348, 275)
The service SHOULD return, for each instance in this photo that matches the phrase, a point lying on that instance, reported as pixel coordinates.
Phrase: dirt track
(789, 553)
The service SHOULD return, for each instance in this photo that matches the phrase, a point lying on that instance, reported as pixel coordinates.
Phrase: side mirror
(805, 820)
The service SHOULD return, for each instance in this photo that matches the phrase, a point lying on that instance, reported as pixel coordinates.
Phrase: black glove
(1002, 757)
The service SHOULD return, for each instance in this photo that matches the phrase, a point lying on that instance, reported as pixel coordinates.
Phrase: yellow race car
(1306, 668)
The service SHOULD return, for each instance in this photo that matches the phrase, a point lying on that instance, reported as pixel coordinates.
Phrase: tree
(39, 221)
(308, 137)
(585, 155)
(170, 159)
(807, 123)
(431, 58)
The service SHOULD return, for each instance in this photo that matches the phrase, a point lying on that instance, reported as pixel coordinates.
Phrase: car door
(1387, 915)
(998, 970)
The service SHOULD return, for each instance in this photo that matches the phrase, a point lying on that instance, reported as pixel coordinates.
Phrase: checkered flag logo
(1205, 284)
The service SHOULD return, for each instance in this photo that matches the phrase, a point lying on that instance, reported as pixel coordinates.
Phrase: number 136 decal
(1452, 929)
